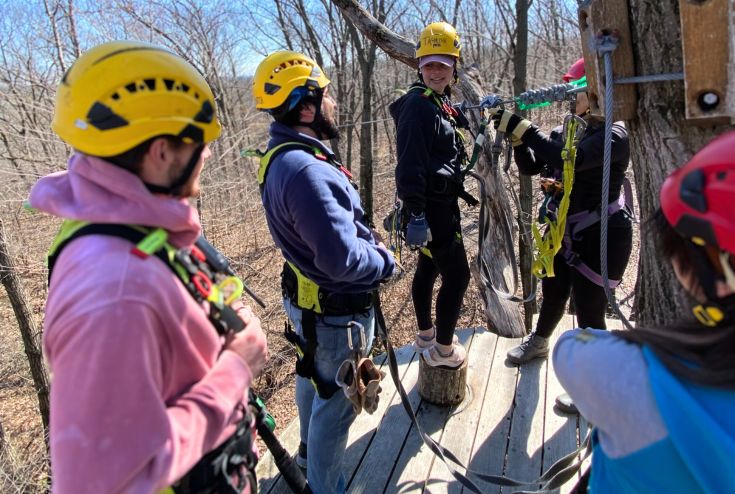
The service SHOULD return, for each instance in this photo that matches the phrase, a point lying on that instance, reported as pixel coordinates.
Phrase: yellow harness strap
(548, 245)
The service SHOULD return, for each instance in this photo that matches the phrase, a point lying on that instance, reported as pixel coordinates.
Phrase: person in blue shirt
(662, 398)
(333, 261)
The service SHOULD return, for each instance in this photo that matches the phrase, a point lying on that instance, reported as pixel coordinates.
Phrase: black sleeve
(415, 128)
(590, 152)
(526, 160)
(546, 149)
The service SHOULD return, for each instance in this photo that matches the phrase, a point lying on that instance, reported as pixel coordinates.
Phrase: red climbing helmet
(697, 199)
(575, 72)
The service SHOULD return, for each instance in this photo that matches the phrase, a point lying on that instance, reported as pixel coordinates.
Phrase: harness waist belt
(309, 296)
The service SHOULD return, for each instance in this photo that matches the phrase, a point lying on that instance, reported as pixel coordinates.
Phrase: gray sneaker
(532, 347)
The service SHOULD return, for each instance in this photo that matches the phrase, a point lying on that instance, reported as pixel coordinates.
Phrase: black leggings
(590, 302)
(448, 259)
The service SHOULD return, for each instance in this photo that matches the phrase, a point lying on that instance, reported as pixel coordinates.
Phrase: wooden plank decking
(506, 425)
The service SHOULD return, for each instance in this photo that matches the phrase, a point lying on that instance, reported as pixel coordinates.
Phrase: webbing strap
(549, 244)
(556, 476)
(78, 229)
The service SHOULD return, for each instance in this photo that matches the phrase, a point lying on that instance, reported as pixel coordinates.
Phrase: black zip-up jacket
(541, 153)
(426, 146)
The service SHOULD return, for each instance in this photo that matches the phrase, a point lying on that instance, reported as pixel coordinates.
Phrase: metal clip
(361, 349)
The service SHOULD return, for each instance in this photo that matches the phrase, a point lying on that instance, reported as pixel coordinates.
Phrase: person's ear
(159, 151)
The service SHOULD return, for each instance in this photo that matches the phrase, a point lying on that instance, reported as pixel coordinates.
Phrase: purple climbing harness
(578, 222)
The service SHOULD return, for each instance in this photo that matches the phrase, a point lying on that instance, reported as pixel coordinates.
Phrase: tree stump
(440, 386)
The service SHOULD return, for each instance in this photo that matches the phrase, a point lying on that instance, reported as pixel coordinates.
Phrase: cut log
(442, 386)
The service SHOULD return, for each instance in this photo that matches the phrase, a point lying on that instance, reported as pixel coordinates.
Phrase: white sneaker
(434, 358)
(420, 343)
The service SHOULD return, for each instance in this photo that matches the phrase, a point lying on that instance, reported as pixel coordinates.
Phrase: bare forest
(509, 46)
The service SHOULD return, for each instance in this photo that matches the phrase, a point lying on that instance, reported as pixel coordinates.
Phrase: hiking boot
(300, 457)
(565, 404)
(433, 357)
(532, 347)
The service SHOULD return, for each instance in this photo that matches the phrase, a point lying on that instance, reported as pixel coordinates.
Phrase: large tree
(661, 140)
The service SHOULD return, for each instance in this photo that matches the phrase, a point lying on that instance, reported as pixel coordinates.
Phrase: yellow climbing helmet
(438, 38)
(280, 73)
(122, 93)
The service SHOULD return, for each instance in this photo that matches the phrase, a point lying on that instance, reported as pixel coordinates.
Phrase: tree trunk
(525, 241)
(28, 328)
(500, 314)
(661, 140)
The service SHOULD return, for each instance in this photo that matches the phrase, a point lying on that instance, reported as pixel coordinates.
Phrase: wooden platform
(506, 425)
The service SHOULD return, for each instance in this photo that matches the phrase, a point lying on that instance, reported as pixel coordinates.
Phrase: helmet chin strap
(176, 187)
(716, 310)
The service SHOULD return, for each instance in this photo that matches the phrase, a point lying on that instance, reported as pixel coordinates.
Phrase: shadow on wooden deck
(506, 425)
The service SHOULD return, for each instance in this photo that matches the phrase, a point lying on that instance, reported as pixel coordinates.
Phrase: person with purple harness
(577, 264)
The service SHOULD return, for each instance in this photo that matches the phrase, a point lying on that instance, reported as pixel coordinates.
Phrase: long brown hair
(703, 355)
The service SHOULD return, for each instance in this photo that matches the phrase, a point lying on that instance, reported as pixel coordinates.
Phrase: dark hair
(703, 355)
(132, 159)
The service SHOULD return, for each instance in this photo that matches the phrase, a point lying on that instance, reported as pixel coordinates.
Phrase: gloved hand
(490, 101)
(510, 123)
(417, 231)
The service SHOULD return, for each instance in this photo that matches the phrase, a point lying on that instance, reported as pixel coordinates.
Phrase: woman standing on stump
(429, 182)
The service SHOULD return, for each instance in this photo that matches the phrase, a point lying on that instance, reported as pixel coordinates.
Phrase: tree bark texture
(525, 196)
(661, 140)
(440, 386)
(28, 329)
(502, 316)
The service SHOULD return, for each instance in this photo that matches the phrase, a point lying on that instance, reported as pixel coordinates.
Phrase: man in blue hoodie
(333, 261)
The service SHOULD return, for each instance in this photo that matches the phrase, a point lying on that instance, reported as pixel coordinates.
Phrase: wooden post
(441, 386)
(707, 40)
(606, 17)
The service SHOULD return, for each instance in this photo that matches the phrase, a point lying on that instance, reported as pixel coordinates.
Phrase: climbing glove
(417, 231)
(508, 122)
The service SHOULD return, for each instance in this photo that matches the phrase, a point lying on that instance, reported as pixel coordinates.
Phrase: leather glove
(417, 231)
(510, 123)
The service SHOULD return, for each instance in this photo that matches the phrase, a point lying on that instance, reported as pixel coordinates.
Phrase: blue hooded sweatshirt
(654, 432)
(315, 218)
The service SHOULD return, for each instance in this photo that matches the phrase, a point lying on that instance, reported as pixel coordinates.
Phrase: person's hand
(417, 231)
(250, 344)
(508, 122)
(490, 101)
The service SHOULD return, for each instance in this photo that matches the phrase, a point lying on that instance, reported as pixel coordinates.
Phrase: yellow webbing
(546, 246)
(265, 159)
(307, 296)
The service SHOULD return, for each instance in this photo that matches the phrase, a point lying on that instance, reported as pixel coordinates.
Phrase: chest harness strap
(441, 184)
(229, 468)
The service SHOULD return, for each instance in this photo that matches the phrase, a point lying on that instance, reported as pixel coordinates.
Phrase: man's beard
(326, 129)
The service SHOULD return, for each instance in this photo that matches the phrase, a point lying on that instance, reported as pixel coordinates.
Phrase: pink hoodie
(140, 388)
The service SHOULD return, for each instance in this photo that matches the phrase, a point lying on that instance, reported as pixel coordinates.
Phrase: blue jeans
(325, 423)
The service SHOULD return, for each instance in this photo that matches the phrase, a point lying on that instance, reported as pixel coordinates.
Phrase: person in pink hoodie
(143, 386)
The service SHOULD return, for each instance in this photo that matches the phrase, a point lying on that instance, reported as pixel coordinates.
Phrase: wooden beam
(606, 17)
(707, 32)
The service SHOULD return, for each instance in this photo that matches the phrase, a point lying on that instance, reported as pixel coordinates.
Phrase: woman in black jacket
(429, 182)
(576, 265)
